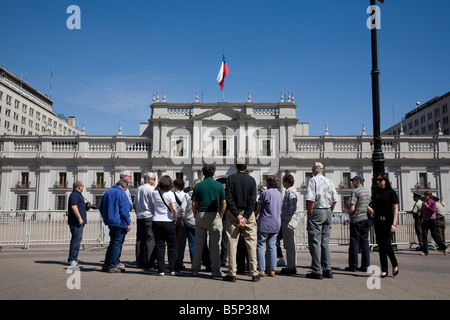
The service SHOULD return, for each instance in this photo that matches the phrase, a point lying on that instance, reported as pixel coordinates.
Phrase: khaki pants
(249, 232)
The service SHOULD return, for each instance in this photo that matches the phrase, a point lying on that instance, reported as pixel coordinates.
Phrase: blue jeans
(271, 239)
(116, 235)
(75, 241)
(428, 224)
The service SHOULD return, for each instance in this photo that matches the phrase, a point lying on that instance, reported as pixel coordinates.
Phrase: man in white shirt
(321, 198)
(145, 240)
(416, 210)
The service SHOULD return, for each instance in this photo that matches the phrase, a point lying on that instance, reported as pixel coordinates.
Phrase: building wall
(431, 118)
(182, 138)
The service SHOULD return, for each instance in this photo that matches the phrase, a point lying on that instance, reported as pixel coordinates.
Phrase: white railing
(28, 228)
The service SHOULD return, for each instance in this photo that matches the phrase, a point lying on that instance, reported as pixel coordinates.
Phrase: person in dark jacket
(77, 218)
(115, 210)
(240, 194)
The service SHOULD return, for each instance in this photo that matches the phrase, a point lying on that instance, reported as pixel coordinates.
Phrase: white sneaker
(161, 274)
(175, 273)
(73, 263)
(217, 274)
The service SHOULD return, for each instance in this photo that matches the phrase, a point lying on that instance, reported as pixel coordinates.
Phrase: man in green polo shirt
(208, 206)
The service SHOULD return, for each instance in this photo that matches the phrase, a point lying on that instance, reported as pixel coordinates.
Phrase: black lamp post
(377, 154)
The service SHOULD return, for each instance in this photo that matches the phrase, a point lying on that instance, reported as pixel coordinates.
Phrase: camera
(89, 206)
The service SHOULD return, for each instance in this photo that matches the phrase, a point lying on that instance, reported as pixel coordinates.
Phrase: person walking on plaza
(359, 226)
(115, 210)
(288, 209)
(77, 219)
(240, 196)
(416, 211)
(145, 239)
(164, 222)
(385, 206)
(268, 212)
(179, 227)
(321, 198)
(440, 219)
(208, 206)
(429, 223)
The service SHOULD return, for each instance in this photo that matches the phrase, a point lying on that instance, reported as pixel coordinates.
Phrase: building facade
(37, 172)
(26, 111)
(430, 118)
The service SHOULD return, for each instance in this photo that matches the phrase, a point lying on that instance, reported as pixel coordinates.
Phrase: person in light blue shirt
(321, 198)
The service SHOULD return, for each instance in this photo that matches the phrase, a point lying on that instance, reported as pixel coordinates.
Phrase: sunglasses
(379, 180)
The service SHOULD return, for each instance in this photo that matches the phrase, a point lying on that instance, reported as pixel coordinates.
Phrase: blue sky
(107, 72)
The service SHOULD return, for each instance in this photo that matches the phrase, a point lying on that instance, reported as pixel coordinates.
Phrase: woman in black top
(385, 204)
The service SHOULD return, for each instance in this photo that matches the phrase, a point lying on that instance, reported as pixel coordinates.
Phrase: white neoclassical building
(37, 172)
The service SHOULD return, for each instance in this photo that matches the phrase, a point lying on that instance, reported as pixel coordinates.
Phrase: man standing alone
(77, 219)
(240, 194)
(321, 198)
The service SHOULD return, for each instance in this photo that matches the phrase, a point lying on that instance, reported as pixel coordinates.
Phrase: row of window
(44, 125)
(100, 183)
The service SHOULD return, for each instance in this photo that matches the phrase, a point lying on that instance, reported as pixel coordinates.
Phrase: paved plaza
(42, 273)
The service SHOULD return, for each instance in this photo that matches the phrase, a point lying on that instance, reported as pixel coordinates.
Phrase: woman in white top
(164, 221)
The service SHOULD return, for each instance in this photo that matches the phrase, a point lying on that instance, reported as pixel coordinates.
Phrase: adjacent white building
(26, 111)
(430, 118)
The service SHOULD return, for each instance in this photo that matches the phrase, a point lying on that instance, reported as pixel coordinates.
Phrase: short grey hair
(124, 173)
(122, 183)
(149, 175)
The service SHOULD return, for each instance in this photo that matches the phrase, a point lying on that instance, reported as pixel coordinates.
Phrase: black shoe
(394, 273)
(229, 278)
(313, 275)
(350, 269)
(362, 269)
(288, 271)
(328, 274)
(255, 278)
(383, 275)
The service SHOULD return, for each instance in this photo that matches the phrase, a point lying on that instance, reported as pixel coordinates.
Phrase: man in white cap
(321, 198)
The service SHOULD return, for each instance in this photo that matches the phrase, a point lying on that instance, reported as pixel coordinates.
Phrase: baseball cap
(358, 178)
(318, 165)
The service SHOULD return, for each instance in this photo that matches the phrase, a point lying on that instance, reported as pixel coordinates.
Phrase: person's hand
(80, 221)
(242, 221)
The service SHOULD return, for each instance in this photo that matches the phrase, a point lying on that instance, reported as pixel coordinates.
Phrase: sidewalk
(41, 273)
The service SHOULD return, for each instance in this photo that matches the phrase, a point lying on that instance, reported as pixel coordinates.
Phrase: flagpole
(377, 155)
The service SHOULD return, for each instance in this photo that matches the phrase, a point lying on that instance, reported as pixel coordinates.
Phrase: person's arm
(194, 208)
(394, 222)
(77, 214)
(174, 212)
(223, 207)
(309, 207)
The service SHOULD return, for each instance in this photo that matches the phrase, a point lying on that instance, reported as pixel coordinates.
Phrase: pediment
(222, 113)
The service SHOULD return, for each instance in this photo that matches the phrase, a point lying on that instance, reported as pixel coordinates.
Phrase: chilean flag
(382, 1)
(222, 73)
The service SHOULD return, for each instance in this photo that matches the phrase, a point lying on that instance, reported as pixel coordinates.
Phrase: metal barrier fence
(28, 228)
